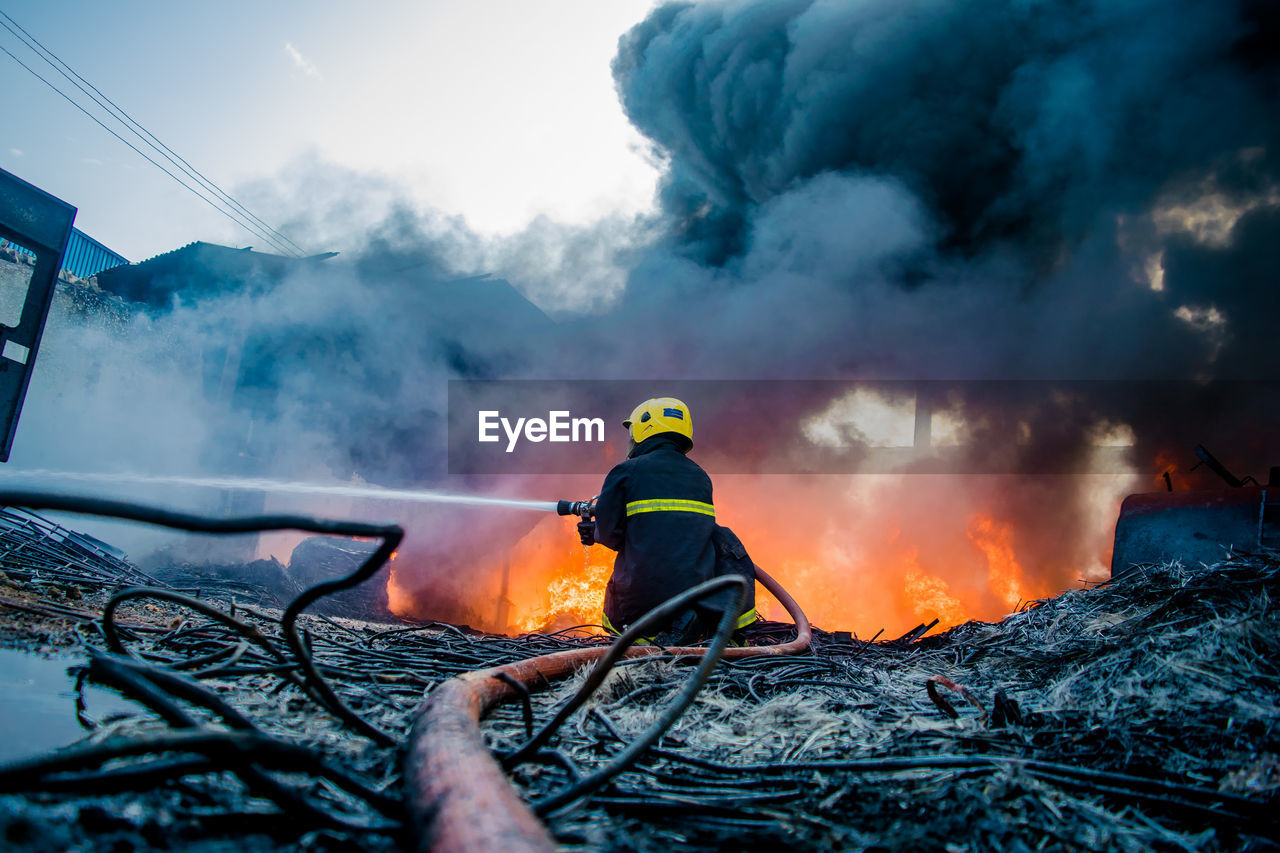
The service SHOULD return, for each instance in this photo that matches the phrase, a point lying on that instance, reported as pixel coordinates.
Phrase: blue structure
(85, 256)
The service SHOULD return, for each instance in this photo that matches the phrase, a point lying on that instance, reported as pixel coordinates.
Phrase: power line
(137, 150)
(124, 117)
(264, 231)
(199, 193)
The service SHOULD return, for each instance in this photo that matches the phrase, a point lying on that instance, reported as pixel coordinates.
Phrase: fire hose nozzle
(585, 509)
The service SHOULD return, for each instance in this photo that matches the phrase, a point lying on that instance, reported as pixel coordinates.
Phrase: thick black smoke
(1020, 122)
(965, 189)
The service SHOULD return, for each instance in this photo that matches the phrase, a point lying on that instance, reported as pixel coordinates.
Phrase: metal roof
(84, 257)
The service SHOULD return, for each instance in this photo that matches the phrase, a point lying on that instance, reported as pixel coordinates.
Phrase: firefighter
(655, 509)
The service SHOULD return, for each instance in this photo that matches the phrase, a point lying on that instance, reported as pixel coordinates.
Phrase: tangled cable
(259, 758)
(452, 777)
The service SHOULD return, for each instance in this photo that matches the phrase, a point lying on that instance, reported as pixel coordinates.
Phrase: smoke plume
(933, 173)
(883, 189)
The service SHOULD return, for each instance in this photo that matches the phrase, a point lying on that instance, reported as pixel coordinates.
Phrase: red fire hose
(459, 798)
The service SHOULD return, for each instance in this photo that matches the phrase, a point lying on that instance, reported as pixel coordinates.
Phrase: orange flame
(399, 599)
(556, 583)
(930, 595)
(575, 598)
(857, 553)
(1004, 575)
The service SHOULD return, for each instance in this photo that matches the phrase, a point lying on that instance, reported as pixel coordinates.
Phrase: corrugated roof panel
(84, 257)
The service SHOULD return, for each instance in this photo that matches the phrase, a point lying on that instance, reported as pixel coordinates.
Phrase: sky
(497, 111)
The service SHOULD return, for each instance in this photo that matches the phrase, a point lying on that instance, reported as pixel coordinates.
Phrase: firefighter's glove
(587, 532)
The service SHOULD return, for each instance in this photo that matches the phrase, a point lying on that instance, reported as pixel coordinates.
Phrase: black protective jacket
(655, 510)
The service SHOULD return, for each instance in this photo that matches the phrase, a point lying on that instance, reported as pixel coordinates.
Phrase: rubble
(270, 583)
(1137, 714)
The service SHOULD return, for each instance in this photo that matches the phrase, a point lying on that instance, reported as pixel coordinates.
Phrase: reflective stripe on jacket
(670, 505)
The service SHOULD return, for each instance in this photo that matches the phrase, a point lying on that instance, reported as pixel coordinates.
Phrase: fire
(399, 599)
(890, 552)
(930, 596)
(857, 553)
(576, 598)
(556, 582)
(1003, 572)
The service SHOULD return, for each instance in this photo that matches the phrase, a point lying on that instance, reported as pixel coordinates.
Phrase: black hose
(105, 669)
(660, 614)
(390, 534)
(391, 541)
(655, 617)
(225, 749)
(138, 685)
(199, 605)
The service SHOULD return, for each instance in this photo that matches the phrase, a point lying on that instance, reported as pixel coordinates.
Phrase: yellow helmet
(659, 415)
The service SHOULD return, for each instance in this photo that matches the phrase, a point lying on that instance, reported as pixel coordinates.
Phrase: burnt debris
(1136, 714)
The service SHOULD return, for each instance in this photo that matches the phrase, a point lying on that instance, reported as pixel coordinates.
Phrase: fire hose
(459, 797)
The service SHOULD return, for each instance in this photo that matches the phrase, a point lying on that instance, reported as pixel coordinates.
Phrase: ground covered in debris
(1138, 714)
